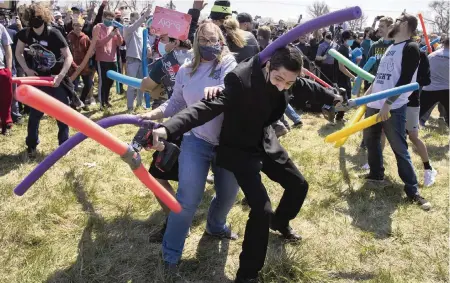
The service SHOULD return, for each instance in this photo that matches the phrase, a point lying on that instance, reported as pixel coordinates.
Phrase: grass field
(88, 219)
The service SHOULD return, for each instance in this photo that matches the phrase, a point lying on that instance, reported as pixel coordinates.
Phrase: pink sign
(170, 22)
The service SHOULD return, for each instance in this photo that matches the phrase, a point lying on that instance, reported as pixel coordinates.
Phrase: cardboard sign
(170, 22)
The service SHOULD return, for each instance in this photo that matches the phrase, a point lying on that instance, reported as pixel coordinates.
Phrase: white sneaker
(430, 177)
(365, 167)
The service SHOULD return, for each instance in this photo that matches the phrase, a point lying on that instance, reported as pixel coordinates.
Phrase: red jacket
(79, 46)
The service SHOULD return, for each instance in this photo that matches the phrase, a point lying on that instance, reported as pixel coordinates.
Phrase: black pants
(429, 98)
(105, 83)
(327, 73)
(254, 247)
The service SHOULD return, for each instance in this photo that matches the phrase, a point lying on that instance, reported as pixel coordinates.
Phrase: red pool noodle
(314, 77)
(45, 103)
(34, 82)
(425, 35)
(34, 78)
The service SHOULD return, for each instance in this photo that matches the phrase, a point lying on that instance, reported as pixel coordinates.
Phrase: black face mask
(36, 22)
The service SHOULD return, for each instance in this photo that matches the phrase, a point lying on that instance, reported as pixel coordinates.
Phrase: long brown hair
(37, 7)
(234, 33)
(197, 58)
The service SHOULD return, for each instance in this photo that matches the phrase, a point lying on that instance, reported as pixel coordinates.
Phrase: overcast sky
(285, 9)
(291, 9)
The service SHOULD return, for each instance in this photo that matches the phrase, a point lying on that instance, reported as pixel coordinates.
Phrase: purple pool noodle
(68, 145)
(310, 26)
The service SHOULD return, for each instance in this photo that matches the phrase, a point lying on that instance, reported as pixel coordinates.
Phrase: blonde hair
(196, 60)
(234, 32)
(388, 20)
(264, 32)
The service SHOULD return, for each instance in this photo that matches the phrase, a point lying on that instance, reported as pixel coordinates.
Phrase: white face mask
(162, 48)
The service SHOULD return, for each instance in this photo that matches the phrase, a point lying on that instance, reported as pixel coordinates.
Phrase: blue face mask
(108, 23)
(210, 53)
(350, 42)
(386, 41)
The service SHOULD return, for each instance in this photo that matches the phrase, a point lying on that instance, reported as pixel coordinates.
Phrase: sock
(427, 166)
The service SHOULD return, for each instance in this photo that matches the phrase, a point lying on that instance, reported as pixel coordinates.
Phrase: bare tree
(318, 9)
(441, 19)
(171, 6)
(358, 24)
(266, 21)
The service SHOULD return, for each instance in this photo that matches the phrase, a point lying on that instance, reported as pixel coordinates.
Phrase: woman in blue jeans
(211, 62)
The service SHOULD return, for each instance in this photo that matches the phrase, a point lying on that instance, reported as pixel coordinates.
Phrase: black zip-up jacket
(250, 105)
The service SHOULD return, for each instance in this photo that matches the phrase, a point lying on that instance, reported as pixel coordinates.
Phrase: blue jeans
(34, 119)
(395, 131)
(292, 115)
(195, 159)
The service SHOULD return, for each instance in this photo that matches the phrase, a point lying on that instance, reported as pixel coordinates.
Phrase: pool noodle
(68, 145)
(326, 20)
(43, 102)
(361, 125)
(352, 66)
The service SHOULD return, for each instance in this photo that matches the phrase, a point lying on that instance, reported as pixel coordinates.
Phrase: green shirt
(378, 49)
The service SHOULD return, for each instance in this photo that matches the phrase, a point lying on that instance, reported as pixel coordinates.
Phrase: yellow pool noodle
(361, 125)
(355, 119)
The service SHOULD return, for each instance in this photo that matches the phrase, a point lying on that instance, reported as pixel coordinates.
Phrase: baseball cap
(76, 9)
(57, 14)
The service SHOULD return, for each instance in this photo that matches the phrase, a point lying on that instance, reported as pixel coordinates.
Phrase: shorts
(412, 119)
(171, 175)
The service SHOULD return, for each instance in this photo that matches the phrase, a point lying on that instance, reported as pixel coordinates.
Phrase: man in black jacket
(248, 144)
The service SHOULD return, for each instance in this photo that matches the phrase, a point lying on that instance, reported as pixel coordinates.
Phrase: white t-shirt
(398, 67)
(189, 89)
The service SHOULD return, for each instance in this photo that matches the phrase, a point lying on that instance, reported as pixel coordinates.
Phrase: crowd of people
(225, 109)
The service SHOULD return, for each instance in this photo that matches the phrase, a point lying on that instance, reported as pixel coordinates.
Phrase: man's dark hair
(412, 22)
(288, 57)
(346, 35)
(327, 35)
(369, 32)
(183, 43)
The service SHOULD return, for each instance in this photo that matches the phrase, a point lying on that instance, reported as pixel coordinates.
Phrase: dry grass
(82, 224)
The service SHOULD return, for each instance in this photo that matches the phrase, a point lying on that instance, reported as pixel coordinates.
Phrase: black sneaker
(287, 232)
(109, 105)
(31, 153)
(375, 180)
(227, 234)
(76, 103)
(299, 124)
(423, 203)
